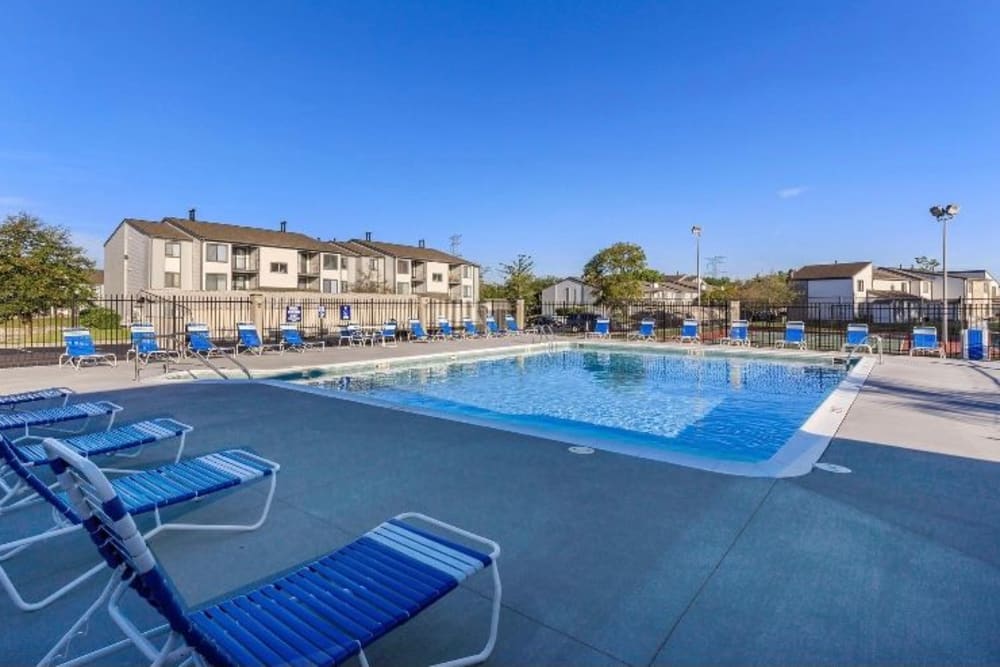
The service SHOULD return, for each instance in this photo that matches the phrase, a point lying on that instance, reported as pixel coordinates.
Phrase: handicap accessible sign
(321, 312)
(293, 314)
(345, 312)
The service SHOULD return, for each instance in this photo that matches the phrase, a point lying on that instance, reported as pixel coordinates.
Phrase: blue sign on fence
(293, 314)
(345, 312)
(321, 312)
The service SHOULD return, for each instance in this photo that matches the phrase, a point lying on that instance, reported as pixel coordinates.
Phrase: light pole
(943, 215)
(696, 232)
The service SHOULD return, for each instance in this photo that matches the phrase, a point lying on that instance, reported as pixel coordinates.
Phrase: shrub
(99, 318)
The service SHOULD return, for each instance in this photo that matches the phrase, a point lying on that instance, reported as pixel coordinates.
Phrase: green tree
(618, 273)
(771, 288)
(40, 269)
(492, 291)
(926, 263)
(519, 278)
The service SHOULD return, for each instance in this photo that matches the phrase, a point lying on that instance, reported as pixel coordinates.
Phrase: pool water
(730, 408)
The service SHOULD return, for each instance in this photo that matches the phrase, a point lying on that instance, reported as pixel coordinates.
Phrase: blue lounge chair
(386, 336)
(13, 401)
(249, 340)
(857, 338)
(347, 335)
(602, 329)
(645, 332)
(25, 420)
(141, 492)
(444, 330)
(689, 331)
(492, 329)
(511, 324)
(739, 334)
(925, 341)
(200, 342)
(417, 332)
(80, 350)
(469, 329)
(325, 612)
(291, 339)
(795, 334)
(145, 347)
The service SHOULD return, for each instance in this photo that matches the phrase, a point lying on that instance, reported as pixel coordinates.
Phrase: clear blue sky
(793, 132)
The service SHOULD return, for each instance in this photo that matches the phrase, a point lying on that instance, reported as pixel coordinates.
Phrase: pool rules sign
(293, 314)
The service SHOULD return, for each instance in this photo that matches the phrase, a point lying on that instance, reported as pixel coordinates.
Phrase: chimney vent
(368, 236)
(284, 225)
(421, 244)
(191, 214)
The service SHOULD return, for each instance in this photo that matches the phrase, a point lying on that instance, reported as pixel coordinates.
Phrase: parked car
(577, 322)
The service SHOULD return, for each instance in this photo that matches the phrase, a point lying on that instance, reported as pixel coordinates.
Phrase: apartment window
(242, 282)
(466, 271)
(861, 285)
(437, 277)
(343, 263)
(331, 286)
(215, 282)
(925, 287)
(402, 288)
(306, 283)
(373, 265)
(467, 291)
(172, 249)
(402, 266)
(279, 267)
(216, 252)
(330, 262)
(171, 279)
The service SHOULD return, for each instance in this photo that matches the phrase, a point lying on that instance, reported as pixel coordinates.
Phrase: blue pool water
(731, 408)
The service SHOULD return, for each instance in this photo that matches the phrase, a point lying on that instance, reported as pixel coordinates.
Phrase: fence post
(519, 313)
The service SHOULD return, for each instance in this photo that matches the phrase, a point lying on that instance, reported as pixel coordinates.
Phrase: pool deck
(607, 559)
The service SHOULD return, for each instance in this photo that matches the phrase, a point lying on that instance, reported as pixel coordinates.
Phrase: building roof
(572, 279)
(356, 248)
(889, 295)
(412, 252)
(157, 230)
(96, 277)
(344, 248)
(889, 273)
(239, 234)
(830, 271)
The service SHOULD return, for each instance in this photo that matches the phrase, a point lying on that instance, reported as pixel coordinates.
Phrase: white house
(567, 293)
(834, 291)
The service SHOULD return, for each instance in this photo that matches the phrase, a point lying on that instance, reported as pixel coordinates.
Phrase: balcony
(308, 264)
(419, 274)
(245, 260)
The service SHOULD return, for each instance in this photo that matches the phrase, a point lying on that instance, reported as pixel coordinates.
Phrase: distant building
(568, 293)
(675, 288)
(421, 270)
(196, 255)
(96, 279)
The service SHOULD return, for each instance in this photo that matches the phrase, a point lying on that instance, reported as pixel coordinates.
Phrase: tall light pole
(943, 215)
(696, 232)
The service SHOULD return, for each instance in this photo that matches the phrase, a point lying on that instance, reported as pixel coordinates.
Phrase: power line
(714, 264)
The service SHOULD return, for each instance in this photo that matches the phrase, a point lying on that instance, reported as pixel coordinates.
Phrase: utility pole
(456, 241)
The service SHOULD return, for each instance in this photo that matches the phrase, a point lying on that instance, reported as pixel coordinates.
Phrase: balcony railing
(245, 263)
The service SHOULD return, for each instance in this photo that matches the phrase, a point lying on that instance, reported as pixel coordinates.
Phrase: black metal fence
(39, 341)
(826, 324)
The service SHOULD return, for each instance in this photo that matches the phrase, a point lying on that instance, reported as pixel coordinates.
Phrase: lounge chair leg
(494, 627)
(220, 526)
(74, 629)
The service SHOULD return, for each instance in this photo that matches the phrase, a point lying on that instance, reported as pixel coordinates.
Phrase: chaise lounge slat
(13, 400)
(120, 438)
(49, 416)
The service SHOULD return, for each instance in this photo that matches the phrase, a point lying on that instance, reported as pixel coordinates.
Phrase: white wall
(137, 267)
(840, 289)
(114, 270)
(287, 256)
(566, 293)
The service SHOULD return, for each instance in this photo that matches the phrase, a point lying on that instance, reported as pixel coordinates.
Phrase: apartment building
(196, 255)
(189, 254)
(422, 270)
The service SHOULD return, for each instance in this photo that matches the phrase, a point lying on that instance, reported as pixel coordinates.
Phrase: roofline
(370, 246)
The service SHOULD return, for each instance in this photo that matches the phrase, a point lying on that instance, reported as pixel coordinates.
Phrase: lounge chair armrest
(186, 428)
(114, 407)
(275, 466)
(494, 547)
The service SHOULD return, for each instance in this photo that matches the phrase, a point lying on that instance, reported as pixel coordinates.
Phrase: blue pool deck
(608, 559)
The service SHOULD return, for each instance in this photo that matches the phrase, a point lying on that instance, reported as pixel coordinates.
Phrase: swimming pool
(728, 413)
